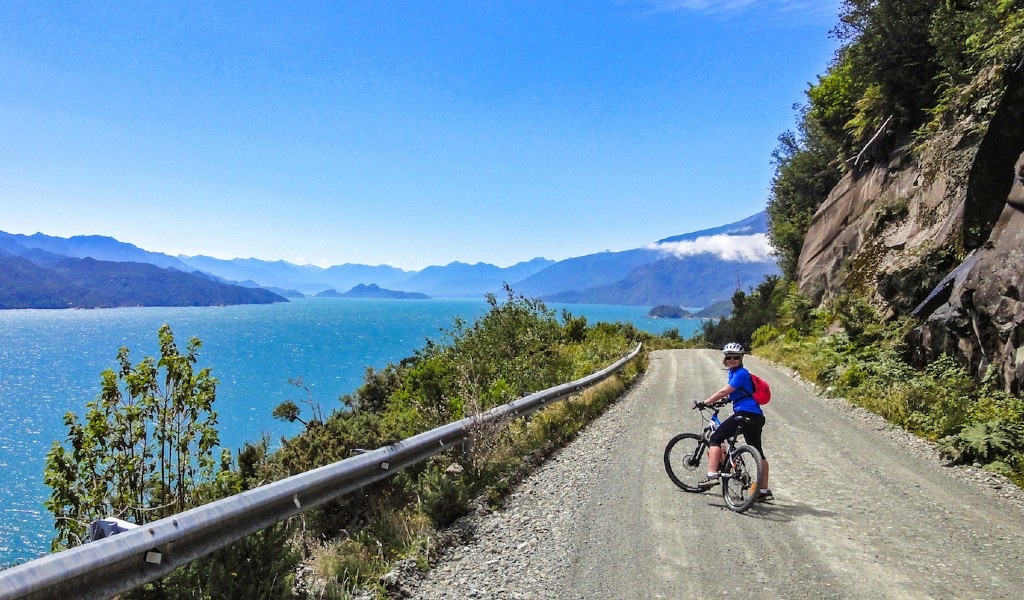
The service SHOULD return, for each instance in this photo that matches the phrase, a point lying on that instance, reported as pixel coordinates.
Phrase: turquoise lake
(50, 363)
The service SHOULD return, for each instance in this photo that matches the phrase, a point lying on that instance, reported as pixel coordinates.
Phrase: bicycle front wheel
(741, 482)
(686, 460)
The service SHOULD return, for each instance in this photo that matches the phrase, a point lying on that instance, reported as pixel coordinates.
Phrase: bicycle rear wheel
(740, 485)
(686, 460)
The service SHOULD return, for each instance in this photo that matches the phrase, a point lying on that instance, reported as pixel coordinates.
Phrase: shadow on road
(779, 511)
(785, 511)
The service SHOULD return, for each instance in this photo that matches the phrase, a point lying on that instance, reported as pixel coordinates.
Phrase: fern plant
(983, 442)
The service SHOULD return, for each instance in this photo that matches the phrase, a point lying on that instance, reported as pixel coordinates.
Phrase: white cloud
(734, 248)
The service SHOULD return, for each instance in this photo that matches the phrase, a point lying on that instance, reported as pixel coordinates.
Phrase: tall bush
(144, 448)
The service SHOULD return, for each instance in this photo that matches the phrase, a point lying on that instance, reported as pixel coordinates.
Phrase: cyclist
(739, 391)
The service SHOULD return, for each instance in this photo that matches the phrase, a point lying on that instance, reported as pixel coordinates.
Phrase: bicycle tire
(741, 484)
(686, 461)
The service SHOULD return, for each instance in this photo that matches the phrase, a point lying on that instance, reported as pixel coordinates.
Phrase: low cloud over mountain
(731, 248)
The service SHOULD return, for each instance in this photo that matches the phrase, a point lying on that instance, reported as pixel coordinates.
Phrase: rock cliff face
(976, 313)
(938, 234)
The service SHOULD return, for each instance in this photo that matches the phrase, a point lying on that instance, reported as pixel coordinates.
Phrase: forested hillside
(88, 283)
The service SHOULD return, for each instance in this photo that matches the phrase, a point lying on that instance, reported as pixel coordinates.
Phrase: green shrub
(985, 442)
(443, 497)
(258, 566)
(764, 335)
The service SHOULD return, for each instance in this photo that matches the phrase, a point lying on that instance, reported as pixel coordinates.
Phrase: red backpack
(762, 391)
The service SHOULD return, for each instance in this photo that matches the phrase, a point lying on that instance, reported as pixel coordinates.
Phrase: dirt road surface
(857, 514)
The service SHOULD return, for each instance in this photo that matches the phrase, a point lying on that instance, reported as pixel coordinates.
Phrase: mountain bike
(686, 461)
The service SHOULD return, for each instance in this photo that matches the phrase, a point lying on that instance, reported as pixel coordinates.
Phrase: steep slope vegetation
(896, 210)
(916, 134)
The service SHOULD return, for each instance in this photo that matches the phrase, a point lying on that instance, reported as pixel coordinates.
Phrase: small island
(718, 310)
(373, 291)
(664, 311)
(331, 293)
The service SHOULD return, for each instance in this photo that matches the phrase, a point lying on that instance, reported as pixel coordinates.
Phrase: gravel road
(862, 510)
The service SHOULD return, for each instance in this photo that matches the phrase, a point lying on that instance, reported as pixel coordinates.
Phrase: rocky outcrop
(891, 231)
(976, 313)
(877, 227)
(939, 235)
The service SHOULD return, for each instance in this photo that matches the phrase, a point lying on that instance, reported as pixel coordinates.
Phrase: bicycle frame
(711, 424)
(740, 467)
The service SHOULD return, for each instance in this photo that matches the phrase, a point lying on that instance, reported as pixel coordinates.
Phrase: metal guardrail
(119, 563)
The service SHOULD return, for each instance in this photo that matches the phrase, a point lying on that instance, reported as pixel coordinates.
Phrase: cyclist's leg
(752, 436)
(717, 441)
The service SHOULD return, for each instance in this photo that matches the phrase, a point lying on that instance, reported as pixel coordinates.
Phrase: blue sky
(402, 133)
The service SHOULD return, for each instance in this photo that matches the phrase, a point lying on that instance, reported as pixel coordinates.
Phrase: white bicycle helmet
(732, 348)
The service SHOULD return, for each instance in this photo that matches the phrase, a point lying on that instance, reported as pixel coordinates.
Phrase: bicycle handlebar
(715, 405)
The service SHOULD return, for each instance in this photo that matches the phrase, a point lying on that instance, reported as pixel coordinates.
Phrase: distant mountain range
(693, 269)
(39, 279)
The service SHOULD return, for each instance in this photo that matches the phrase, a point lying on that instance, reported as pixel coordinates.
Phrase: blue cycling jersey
(741, 398)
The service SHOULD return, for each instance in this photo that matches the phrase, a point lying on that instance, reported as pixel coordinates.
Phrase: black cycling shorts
(751, 430)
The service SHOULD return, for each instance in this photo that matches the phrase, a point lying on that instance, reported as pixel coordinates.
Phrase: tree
(289, 411)
(144, 447)
(891, 54)
(749, 312)
(805, 173)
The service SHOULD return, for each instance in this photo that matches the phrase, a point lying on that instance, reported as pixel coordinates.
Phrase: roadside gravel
(520, 551)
